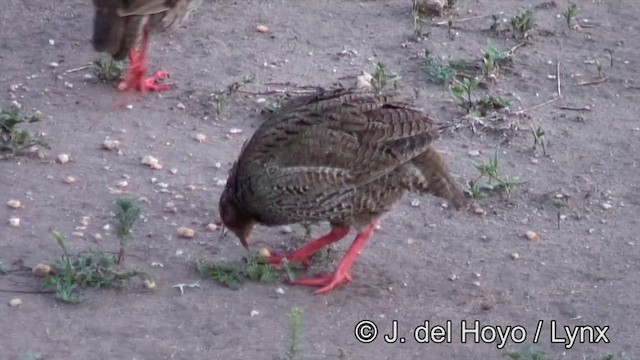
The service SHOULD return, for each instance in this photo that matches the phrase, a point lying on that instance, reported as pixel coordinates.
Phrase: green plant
(539, 138)
(274, 105)
(489, 102)
(528, 353)
(296, 338)
(491, 58)
(107, 69)
(127, 212)
(610, 52)
(95, 269)
(233, 274)
(30, 355)
(439, 73)
(14, 140)
(463, 93)
(522, 23)
(598, 67)
(570, 14)
(417, 20)
(495, 181)
(381, 79)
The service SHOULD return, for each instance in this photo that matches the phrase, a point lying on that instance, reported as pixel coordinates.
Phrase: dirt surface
(459, 266)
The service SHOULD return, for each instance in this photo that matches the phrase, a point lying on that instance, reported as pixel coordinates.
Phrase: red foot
(326, 282)
(330, 282)
(149, 84)
(302, 255)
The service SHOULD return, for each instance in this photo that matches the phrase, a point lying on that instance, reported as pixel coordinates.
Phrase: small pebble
(111, 144)
(254, 313)
(217, 165)
(41, 270)
(185, 232)
(149, 160)
(531, 235)
(280, 290)
(212, 227)
(14, 204)
(415, 202)
(262, 28)
(607, 206)
(286, 229)
(106, 227)
(201, 138)
(52, 42)
(70, 180)
(235, 131)
(515, 256)
(122, 184)
(181, 106)
(149, 284)
(173, 171)
(63, 158)
(54, 65)
(221, 182)
(15, 302)
(476, 283)
(474, 153)
(264, 253)
(14, 222)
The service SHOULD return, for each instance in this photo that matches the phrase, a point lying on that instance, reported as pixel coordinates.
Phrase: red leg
(341, 275)
(135, 78)
(302, 254)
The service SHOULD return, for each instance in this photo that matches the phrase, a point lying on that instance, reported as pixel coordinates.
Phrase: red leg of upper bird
(135, 78)
(302, 254)
(341, 275)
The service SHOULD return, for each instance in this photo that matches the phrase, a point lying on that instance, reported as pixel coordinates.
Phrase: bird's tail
(439, 180)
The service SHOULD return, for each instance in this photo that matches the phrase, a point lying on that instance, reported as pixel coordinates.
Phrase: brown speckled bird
(119, 25)
(339, 156)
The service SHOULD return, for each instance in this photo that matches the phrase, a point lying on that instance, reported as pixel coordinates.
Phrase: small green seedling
(97, 269)
(463, 93)
(539, 138)
(570, 14)
(295, 348)
(598, 67)
(107, 69)
(489, 103)
(495, 181)
(490, 60)
(15, 141)
(610, 52)
(439, 73)
(528, 353)
(233, 274)
(127, 212)
(274, 105)
(522, 23)
(381, 79)
(417, 20)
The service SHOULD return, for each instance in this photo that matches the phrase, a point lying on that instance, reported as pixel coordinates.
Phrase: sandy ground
(584, 273)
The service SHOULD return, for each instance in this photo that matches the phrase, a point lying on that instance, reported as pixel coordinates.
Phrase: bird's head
(234, 217)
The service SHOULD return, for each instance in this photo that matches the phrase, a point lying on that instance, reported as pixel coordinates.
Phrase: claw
(326, 283)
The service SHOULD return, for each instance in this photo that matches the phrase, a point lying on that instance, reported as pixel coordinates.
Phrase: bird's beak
(223, 231)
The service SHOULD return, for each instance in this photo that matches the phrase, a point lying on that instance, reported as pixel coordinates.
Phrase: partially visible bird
(338, 156)
(119, 25)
